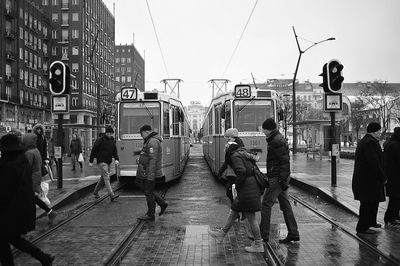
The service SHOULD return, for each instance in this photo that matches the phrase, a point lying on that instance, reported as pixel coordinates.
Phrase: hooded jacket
(104, 150)
(34, 159)
(150, 159)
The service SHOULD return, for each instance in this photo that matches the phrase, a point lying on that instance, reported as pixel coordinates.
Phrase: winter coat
(278, 159)
(17, 205)
(34, 159)
(392, 165)
(150, 158)
(104, 150)
(41, 143)
(76, 146)
(368, 176)
(248, 191)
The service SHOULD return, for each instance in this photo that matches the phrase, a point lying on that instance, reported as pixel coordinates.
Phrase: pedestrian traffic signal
(59, 78)
(332, 76)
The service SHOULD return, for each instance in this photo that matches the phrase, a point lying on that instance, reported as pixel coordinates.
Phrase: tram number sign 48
(129, 93)
(242, 91)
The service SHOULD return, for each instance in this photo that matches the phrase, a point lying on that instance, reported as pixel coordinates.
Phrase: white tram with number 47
(166, 116)
(244, 108)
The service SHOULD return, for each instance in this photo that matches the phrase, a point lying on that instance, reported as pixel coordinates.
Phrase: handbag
(262, 180)
(43, 194)
(80, 158)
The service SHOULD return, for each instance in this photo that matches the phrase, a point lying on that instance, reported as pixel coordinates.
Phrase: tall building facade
(195, 112)
(24, 57)
(129, 67)
(84, 38)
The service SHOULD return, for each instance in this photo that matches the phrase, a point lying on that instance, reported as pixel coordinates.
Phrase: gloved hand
(90, 164)
(284, 185)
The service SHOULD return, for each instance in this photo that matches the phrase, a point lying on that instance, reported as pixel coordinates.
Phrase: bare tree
(357, 116)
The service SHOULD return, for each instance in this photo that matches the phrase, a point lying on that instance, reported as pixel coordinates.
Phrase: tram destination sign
(242, 91)
(129, 93)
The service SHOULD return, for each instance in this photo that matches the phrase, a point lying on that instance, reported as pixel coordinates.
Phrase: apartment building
(129, 68)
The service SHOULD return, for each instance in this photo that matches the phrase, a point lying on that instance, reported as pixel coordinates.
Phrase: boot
(52, 216)
(217, 234)
(256, 246)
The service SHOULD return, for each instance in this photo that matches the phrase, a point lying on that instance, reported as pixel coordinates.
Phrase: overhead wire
(158, 41)
(241, 36)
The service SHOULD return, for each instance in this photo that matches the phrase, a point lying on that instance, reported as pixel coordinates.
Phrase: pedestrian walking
(246, 197)
(35, 161)
(369, 179)
(104, 150)
(17, 205)
(76, 149)
(278, 172)
(392, 171)
(149, 169)
(41, 145)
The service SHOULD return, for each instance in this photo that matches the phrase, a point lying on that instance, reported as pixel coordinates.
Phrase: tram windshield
(250, 114)
(134, 115)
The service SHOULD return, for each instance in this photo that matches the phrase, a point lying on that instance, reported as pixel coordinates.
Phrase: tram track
(346, 230)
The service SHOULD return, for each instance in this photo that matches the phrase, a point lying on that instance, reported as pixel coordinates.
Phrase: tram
(244, 108)
(166, 115)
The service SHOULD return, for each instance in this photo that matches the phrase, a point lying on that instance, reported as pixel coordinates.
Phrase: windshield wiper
(148, 111)
(240, 109)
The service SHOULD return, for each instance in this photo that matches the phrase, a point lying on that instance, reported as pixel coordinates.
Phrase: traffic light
(59, 78)
(332, 76)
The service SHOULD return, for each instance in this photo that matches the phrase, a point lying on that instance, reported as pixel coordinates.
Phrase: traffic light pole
(60, 144)
(333, 141)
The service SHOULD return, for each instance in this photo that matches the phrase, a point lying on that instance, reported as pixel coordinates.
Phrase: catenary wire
(158, 41)
(241, 35)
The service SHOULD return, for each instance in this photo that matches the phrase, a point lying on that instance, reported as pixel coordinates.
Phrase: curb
(322, 194)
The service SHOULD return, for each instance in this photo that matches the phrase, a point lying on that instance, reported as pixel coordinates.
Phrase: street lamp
(294, 86)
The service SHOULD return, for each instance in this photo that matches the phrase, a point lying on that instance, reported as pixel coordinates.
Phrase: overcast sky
(198, 39)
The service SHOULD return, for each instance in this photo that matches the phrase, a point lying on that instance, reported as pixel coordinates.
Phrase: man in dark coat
(17, 204)
(392, 171)
(369, 179)
(278, 172)
(104, 150)
(149, 169)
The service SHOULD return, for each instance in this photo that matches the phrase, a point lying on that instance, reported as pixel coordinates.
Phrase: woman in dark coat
(17, 205)
(247, 199)
(392, 171)
(369, 178)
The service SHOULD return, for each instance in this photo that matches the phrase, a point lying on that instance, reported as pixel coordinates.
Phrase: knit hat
(145, 128)
(373, 127)
(10, 142)
(269, 124)
(109, 129)
(231, 133)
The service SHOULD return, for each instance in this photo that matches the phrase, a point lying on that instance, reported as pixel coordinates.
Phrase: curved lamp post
(294, 86)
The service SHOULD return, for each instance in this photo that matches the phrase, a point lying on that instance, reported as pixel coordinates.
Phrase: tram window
(217, 112)
(175, 121)
(135, 115)
(165, 132)
(210, 124)
(228, 115)
(249, 116)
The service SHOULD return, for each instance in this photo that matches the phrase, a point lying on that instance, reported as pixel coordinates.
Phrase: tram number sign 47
(129, 93)
(242, 91)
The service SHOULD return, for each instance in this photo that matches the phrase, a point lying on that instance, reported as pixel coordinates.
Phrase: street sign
(333, 102)
(60, 103)
(57, 152)
(335, 150)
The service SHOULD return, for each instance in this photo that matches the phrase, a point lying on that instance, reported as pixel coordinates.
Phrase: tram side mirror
(280, 115)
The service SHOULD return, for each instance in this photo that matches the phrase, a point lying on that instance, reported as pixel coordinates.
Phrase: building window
(129, 69)
(117, 60)
(129, 79)
(75, 34)
(123, 60)
(65, 18)
(53, 50)
(45, 2)
(54, 2)
(128, 60)
(54, 34)
(21, 33)
(75, 67)
(64, 35)
(75, 2)
(75, 50)
(54, 17)
(74, 101)
(75, 16)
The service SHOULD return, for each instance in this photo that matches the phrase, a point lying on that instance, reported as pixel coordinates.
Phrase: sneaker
(289, 239)
(114, 197)
(218, 235)
(163, 209)
(52, 216)
(256, 246)
(96, 195)
(146, 217)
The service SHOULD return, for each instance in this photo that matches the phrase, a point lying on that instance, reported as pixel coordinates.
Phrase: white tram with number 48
(245, 108)
(166, 116)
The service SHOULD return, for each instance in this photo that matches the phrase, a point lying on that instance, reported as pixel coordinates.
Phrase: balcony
(64, 41)
(10, 56)
(9, 13)
(9, 34)
(9, 79)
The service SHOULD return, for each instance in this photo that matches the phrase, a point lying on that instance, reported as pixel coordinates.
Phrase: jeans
(147, 186)
(104, 179)
(393, 208)
(251, 220)
(6, 257)
(269, 198)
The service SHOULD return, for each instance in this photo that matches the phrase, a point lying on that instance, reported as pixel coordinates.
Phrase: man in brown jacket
(149, 168)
